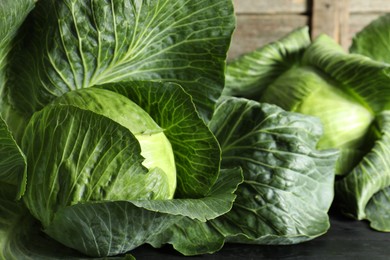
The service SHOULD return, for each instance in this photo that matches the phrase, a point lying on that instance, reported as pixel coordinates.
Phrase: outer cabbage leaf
(197, 152)
(374, 40)
(366, 186)
(288, 184)
(123, 225)
(191, 236)
(377, 210)
(251, 73)
(78, 44)
(360, 77)
(21, 236)
(12, 161)
(12, 13)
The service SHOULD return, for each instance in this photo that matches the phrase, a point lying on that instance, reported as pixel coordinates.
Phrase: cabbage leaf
(71, 44)
(249, 75)
(13, 161)
(288, 184)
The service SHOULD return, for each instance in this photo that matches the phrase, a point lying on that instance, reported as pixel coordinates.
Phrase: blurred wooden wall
(262, 21)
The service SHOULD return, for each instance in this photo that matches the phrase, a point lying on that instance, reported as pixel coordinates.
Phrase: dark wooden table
(346, 239)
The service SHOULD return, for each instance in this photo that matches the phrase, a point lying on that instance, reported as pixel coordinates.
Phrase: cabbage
(113, 135)
(104, 107)
(348, 92)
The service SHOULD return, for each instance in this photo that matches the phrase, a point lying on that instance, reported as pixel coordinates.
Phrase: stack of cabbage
(115, 132)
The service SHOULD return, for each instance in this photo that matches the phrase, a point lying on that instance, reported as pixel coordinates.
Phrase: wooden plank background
(262, 21)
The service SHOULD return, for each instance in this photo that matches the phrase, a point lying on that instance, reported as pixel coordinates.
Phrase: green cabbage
(104, 136)
(113, 134)
(348, 92)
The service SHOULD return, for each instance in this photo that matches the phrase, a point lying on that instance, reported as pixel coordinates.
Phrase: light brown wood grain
(369, 6)
(332, 18)
(304, 6)
(343, 23)
(262, 21)
(271, 6)
(324, 17)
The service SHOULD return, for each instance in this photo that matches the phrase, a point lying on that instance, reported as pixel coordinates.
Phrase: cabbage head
(348, 91)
